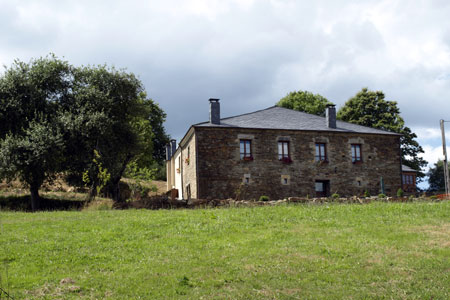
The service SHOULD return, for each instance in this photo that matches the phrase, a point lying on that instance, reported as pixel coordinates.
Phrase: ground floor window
(322, 188)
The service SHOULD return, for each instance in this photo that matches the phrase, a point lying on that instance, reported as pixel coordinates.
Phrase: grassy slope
(379, 250)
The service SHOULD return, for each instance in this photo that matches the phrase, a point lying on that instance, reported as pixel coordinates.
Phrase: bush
(335, 196)
(264, 198)
(434, 197)
(381, 196)
(366, 193)
(400, 193)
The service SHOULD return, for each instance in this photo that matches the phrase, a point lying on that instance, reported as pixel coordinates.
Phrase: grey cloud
(249, 58)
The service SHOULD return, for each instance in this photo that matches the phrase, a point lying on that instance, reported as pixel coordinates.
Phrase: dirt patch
(56, 291)
(439, 234)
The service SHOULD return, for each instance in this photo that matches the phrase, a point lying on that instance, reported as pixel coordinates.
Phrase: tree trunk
(115, 191)
(35, 199)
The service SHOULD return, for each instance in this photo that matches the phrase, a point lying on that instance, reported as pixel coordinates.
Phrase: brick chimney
(173, 143)
(214, 111)
(331, 115)
(168, 152)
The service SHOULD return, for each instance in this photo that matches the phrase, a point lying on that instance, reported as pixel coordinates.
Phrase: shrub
(400, 193)
(381, 195)
(434, 197)
(366, 193)
(264, 198)
(335, 196)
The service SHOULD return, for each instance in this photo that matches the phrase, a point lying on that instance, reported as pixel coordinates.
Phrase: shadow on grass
(23, 203)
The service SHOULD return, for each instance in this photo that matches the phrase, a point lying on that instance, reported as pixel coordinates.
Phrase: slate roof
(407, 169)
(287, 119)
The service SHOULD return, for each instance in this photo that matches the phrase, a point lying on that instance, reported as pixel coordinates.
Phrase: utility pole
(446, 179)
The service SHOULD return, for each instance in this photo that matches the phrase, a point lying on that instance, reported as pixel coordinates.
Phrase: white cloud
(433, 154)
(249, 53)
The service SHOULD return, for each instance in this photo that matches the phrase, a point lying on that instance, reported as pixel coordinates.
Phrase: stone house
(409, 180)
(280, 153)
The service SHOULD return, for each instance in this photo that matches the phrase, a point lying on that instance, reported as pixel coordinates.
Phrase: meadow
(296, 251)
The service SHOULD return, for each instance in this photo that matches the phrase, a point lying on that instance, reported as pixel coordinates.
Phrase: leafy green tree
(369, 108)
(108, 114)
(436, 177)
(30, 133)
(305, 101)
(58, 118)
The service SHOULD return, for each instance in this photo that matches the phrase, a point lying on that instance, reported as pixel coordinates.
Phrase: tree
(55, 117)
(436, 177)
(30, 135)
(108, 115)
(369, 108)
(305, 101)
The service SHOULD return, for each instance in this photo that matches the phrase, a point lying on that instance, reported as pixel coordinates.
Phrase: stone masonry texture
(222, 174)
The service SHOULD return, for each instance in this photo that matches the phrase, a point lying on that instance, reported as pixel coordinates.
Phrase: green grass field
(374, 251)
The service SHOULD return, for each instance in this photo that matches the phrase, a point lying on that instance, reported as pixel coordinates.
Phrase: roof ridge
(253, 112)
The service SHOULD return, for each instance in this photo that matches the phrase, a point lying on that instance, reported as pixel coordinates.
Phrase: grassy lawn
(379, 250)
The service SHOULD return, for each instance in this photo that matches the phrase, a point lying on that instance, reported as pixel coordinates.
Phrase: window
(322, 188)
(408, 179)
(188, 158)
(321, 152)
(246, 149)
(283, 150)
(285, 179)
(246, 179)
(356, 153)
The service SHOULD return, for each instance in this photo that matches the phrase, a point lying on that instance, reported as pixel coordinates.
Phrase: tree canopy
(305, 101)
(55, 117)
(436, 177)
(369, 108)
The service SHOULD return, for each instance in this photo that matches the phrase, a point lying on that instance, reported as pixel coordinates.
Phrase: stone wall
(222, 174)
(189, 170)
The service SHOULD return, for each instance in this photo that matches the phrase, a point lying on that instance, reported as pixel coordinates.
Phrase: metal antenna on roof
(446, 179)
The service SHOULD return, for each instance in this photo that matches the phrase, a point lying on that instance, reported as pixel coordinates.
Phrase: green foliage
(305, 101)
(53, 116)
(126, 254)
(264, 198)
(135, 172)
(369, 108)
(99, 173)
(366, 193)
(381, 196)
(335, 196)
(436, 177)
(400, 193)
(140, 190)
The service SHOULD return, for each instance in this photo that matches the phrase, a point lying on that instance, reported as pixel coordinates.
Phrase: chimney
(331, 115)
(173, 143)
(168, 152)
(214, 111)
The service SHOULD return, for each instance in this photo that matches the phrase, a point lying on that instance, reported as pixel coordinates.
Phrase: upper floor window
(283, 150)
(356, 153)
(321, 152)
(188, 158)
(246, 149)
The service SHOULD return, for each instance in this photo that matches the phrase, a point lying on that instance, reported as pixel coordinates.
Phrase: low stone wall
(164, 202)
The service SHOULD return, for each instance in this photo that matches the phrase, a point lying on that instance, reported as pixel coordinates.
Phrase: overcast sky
(251, 53)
